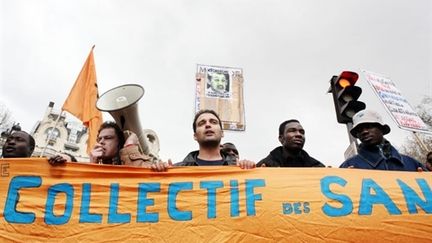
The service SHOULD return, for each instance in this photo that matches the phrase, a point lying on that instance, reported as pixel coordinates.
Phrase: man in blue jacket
(375, 152)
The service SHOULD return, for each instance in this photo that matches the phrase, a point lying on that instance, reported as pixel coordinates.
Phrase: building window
(52, 134)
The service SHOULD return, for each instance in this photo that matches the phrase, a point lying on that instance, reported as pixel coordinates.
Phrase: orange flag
(81, 101)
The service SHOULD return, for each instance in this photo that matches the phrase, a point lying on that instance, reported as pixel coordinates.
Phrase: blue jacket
(384, 157)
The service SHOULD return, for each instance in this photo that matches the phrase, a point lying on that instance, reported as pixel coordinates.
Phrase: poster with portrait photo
(221, 89)
(218, 84)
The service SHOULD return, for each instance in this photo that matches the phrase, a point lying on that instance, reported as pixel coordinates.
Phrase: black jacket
(279, 157)
(191, 159)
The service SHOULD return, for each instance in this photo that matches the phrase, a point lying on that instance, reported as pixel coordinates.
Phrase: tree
(6, 121)
(411, 146)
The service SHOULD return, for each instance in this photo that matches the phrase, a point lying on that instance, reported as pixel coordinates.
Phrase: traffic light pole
(352, 139)
(353, 147)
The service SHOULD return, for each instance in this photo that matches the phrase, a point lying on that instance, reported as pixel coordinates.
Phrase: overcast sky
(288, 51)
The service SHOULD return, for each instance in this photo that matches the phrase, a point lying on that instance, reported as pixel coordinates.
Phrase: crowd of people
(113, 147)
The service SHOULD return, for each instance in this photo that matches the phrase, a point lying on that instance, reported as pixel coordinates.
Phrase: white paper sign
(396, 105)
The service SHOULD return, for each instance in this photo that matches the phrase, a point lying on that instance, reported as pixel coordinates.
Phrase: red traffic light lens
(347, 78)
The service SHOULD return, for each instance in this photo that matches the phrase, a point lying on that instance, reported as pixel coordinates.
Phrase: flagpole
(420, 142)
(50, 134)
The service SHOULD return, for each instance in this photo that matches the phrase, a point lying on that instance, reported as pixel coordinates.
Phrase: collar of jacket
(193, 156)
(286, 156)
(374, 156)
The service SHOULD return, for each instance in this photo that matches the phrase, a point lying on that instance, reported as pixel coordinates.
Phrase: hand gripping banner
(81, 202)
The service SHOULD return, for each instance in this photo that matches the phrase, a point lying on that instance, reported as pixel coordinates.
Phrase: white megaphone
(122, 103)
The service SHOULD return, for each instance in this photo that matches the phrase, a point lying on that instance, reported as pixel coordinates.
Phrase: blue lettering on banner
(372, 195)
(144, 202)
(53, 191)
(173, 189)
(85, 215)
(11, 215)
(306, 207)
(251, 197)
(347, 205)
(287, 208)
(412, 199)
(211, 187)
(295, 207)
(367, 200)
(113, 215)
(235, 204)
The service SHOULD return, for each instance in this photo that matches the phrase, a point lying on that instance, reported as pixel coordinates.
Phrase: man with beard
(19, 144)
(291, 153)
(208, 133)
(218, 82)
(375, 152)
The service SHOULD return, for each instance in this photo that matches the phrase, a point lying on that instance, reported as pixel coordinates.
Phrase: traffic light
(345, 96)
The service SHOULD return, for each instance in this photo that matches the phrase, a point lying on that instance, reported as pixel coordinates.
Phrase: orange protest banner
(92, 203)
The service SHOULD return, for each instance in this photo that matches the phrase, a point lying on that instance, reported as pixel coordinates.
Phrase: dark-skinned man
(291, 153)
(230, 148)
(19, 144)
(375, 152)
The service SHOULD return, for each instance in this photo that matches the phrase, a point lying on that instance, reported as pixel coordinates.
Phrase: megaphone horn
(122, 103)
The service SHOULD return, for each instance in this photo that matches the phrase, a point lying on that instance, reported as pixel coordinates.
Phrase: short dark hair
(118, 132)
(283, 124)
(234, 148)
(429, 154)
(199, 113)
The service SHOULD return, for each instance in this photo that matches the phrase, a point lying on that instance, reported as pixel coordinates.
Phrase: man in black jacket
(208, 133)
(291, 153)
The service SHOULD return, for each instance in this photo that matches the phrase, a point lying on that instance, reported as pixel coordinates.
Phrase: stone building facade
(54, 134)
